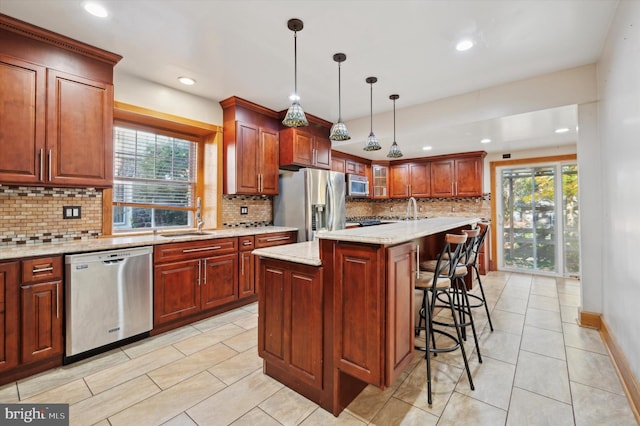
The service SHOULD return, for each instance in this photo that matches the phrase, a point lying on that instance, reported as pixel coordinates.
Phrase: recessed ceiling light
(426, 148)
(562, 130)
(463, 45)
(96, 9)
(187, 81)
(485, 140)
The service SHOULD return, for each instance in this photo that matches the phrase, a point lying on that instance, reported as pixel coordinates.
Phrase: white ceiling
(244, 48)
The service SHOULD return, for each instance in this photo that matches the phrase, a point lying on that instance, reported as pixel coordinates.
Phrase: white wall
(619, 124)
(143, 93)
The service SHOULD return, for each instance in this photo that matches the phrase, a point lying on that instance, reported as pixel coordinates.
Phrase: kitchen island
(333, 321)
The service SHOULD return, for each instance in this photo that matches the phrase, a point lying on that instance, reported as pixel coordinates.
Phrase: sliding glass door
(538, 219)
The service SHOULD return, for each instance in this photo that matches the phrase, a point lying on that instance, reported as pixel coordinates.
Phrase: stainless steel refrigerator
(310, 200)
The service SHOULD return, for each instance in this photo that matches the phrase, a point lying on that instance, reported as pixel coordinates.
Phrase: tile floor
(539, 368)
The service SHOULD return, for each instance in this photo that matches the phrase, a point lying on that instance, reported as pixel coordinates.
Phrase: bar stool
(472, 261)
(438, 283)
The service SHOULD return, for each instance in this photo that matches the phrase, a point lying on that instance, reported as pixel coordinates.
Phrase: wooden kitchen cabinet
(300, 148)
(337, 164)
(410, 180)
(457, 176)
(276, 239)
(246, 280)
(41, 320)
(380, 181)
(219, 281)
(57, 97)
(9, 308)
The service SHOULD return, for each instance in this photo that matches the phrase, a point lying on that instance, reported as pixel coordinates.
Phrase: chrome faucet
(415, 208)
(199, 220)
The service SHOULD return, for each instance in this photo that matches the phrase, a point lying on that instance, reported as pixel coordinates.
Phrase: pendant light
(295, 115)
(339, 130)
(372, 142)
(394, 152)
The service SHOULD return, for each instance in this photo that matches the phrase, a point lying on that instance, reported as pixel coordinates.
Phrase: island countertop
(307, 253)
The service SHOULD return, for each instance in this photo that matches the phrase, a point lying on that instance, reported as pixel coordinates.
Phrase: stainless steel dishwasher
(108, 298)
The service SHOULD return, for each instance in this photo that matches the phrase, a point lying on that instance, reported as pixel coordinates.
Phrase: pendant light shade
(295, 115)
(372, 142)
(339, 130)
(394, 152)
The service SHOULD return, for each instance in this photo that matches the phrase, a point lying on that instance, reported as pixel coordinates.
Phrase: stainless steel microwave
(357, 186)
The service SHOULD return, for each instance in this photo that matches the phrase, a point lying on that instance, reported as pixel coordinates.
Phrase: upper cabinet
(57, 109)
(251, 148)
(302, 148)
(380, 181)
(410, 180)
(458, 176)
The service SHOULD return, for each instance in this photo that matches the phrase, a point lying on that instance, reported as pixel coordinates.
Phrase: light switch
(244, 210)
(71, 212)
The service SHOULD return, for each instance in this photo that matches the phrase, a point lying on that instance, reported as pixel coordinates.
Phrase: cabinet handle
(452, 191)
(38, 270)
(417, 261)
(201, 249)
(242, 266)
(41, 163)
(456, 188)
(57, 300)
(199, 271)
(49, 165)
(205, 272)
(246, 243)
(277, 239)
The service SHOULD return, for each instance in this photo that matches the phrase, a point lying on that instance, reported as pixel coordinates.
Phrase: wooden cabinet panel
(299, 148)
(41, 320)
(302, 149)
(22, 114)
(9, 323)
(194, 249)
(338, 165)
(246, 280)
(468, 177)
(219, 280)
(420, 179)
(268, 162)
(399, 181)
(323, 153)
(442, 177)
(400, 310)
(176, 291)
(272, 302)
(276, 239)
(247, 147)
(380, 181)
(79, 122)
(41, 269)
(256, 160)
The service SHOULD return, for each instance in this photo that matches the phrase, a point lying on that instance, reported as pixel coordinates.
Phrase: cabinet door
(176, 291)
(468, 177)
(380, 181)
(272, 302)
(219, 280)
(442, 178)
(246, 284)
(399, 181)
(400, 310)
(338, 165)
(247, 153)
(79, 130)
(420, 179)
(22, 117)
(269, 161)
(41, 320)
(322, 153)
(303, 148)
(9, 322)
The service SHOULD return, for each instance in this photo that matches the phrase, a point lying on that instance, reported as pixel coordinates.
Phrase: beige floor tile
(583, 338)
(507, 321)
(569, 314)
(237, 367)
(544, 290)
(62, 375)
(593, 406)
(182, 420)
(66, 394)
(120, 373)
(288, 407)
(256, 417)
(543, 375)
(248, 322)
(9, 393)
(203, 340)
(492, 379)
(593, 369)
(235, 400)
(500, 345)
(243, 341)
(222, 319)
(464, 410)
(569, 299)
(414, 389)
(569, 289)
(118, 398)
(322, 417)
(397, 412)
(104, 422)
(516, 278)
(545, 303)
(517, 305)
(511, 292)
(177, 371)
(171, 402)
(543, 319)
(253, 308)
(528, 408)
(543, 342)
(143, 347)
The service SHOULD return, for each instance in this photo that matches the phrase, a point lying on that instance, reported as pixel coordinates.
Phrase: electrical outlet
(244, 210)
(71, 212)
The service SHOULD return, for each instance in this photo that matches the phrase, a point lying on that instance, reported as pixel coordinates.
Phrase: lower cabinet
(41, 320)
(9, 314)
(246, 285)
(290, 334)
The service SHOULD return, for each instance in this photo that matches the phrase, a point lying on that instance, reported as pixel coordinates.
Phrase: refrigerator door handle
(330, 205)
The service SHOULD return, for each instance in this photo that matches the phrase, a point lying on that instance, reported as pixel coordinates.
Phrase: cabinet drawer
(41, 269)
(194, 249)
(247, 242)
(276, 239)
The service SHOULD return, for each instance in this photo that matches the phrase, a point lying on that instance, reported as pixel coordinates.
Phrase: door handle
(49, 165)
(57, 300)
(199, 271)
(205, 272)
(41, 163)
(201, 249)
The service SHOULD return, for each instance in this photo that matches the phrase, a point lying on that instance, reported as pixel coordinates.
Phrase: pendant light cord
(394, 121)
(371, 109)
(295, 66)
(339, 100)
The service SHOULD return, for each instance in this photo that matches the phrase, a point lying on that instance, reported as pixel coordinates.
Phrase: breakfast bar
(337, 314)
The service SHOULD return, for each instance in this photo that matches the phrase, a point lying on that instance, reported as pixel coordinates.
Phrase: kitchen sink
(186, 234)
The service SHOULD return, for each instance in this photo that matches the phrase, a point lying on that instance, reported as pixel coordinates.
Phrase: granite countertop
(307, 253)
(115, 242)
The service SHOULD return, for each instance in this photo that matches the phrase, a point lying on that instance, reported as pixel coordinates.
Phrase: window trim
(203, 134)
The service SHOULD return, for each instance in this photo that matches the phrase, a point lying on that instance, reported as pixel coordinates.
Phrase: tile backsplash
(31, 215)
(259, 211)
(427, 207)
